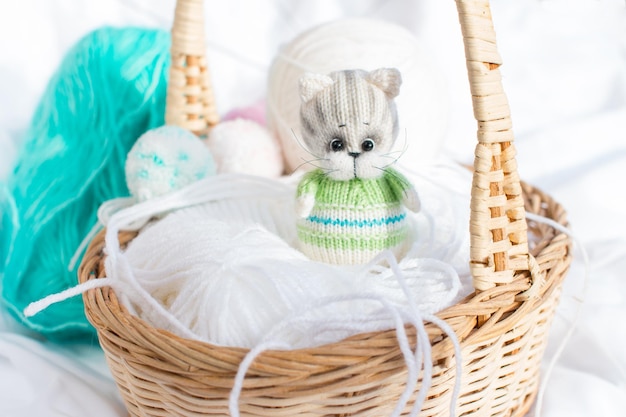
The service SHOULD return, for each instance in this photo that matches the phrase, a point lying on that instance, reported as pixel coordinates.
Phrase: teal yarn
(109, 89)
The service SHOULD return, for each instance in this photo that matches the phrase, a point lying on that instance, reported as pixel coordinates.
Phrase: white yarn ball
(361, 44)
(166, 159)
(229, 283)
(244, 146)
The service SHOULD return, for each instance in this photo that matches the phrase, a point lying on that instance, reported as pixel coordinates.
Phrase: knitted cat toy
(353, 206)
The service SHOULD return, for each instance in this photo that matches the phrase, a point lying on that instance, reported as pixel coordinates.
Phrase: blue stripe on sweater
(357, 223)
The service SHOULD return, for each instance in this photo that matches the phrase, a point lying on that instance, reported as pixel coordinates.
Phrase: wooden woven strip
(494, 106)
(495, 136)
(495, 125)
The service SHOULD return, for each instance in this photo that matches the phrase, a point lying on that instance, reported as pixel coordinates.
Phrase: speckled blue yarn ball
(166, 159)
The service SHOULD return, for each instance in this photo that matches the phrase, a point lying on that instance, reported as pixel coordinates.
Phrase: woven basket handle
(190, 103)
(498, 230)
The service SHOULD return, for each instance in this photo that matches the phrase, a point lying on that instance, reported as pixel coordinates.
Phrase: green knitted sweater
(353, 220)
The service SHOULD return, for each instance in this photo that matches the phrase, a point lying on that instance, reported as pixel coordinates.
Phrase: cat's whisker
(300, 166)
(396, 175)
(309, 179)
(399, 151)
(391, 154)
(303, 146)
(390, 163)
(405, 146)
(406, 139)
(329, 171)
(309, 162)
(384, 168)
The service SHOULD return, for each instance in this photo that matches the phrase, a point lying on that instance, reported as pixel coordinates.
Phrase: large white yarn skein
(364, 44)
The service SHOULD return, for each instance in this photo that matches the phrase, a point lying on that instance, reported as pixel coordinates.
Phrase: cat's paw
(411, 200)
(304, 205)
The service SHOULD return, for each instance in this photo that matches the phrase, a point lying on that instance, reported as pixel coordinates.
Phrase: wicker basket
(502, 327)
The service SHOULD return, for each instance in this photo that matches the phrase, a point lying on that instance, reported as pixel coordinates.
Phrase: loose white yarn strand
(104, 212)
(83, 245)
(445, 327)
(577, 314)
(270, 343)
(424, 340)
(40, 305)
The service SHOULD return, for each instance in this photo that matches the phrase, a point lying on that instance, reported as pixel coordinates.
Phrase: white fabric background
(564, 74)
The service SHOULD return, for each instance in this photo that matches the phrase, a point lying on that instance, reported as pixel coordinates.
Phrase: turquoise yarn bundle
(109, 89)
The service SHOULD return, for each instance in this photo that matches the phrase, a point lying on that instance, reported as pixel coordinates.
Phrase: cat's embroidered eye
(367, 145)
(336, 145)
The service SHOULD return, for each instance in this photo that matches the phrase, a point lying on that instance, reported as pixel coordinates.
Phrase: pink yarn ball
(254, 112)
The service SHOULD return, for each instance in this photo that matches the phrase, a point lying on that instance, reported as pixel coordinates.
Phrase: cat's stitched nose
(354, 154)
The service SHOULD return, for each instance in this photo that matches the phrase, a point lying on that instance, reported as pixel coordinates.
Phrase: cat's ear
(387, 79)
(311, 84)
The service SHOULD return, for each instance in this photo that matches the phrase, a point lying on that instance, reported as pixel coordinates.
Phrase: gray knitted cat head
(349, 121)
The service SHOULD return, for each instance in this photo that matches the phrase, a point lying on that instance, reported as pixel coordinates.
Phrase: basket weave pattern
(502, 327)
